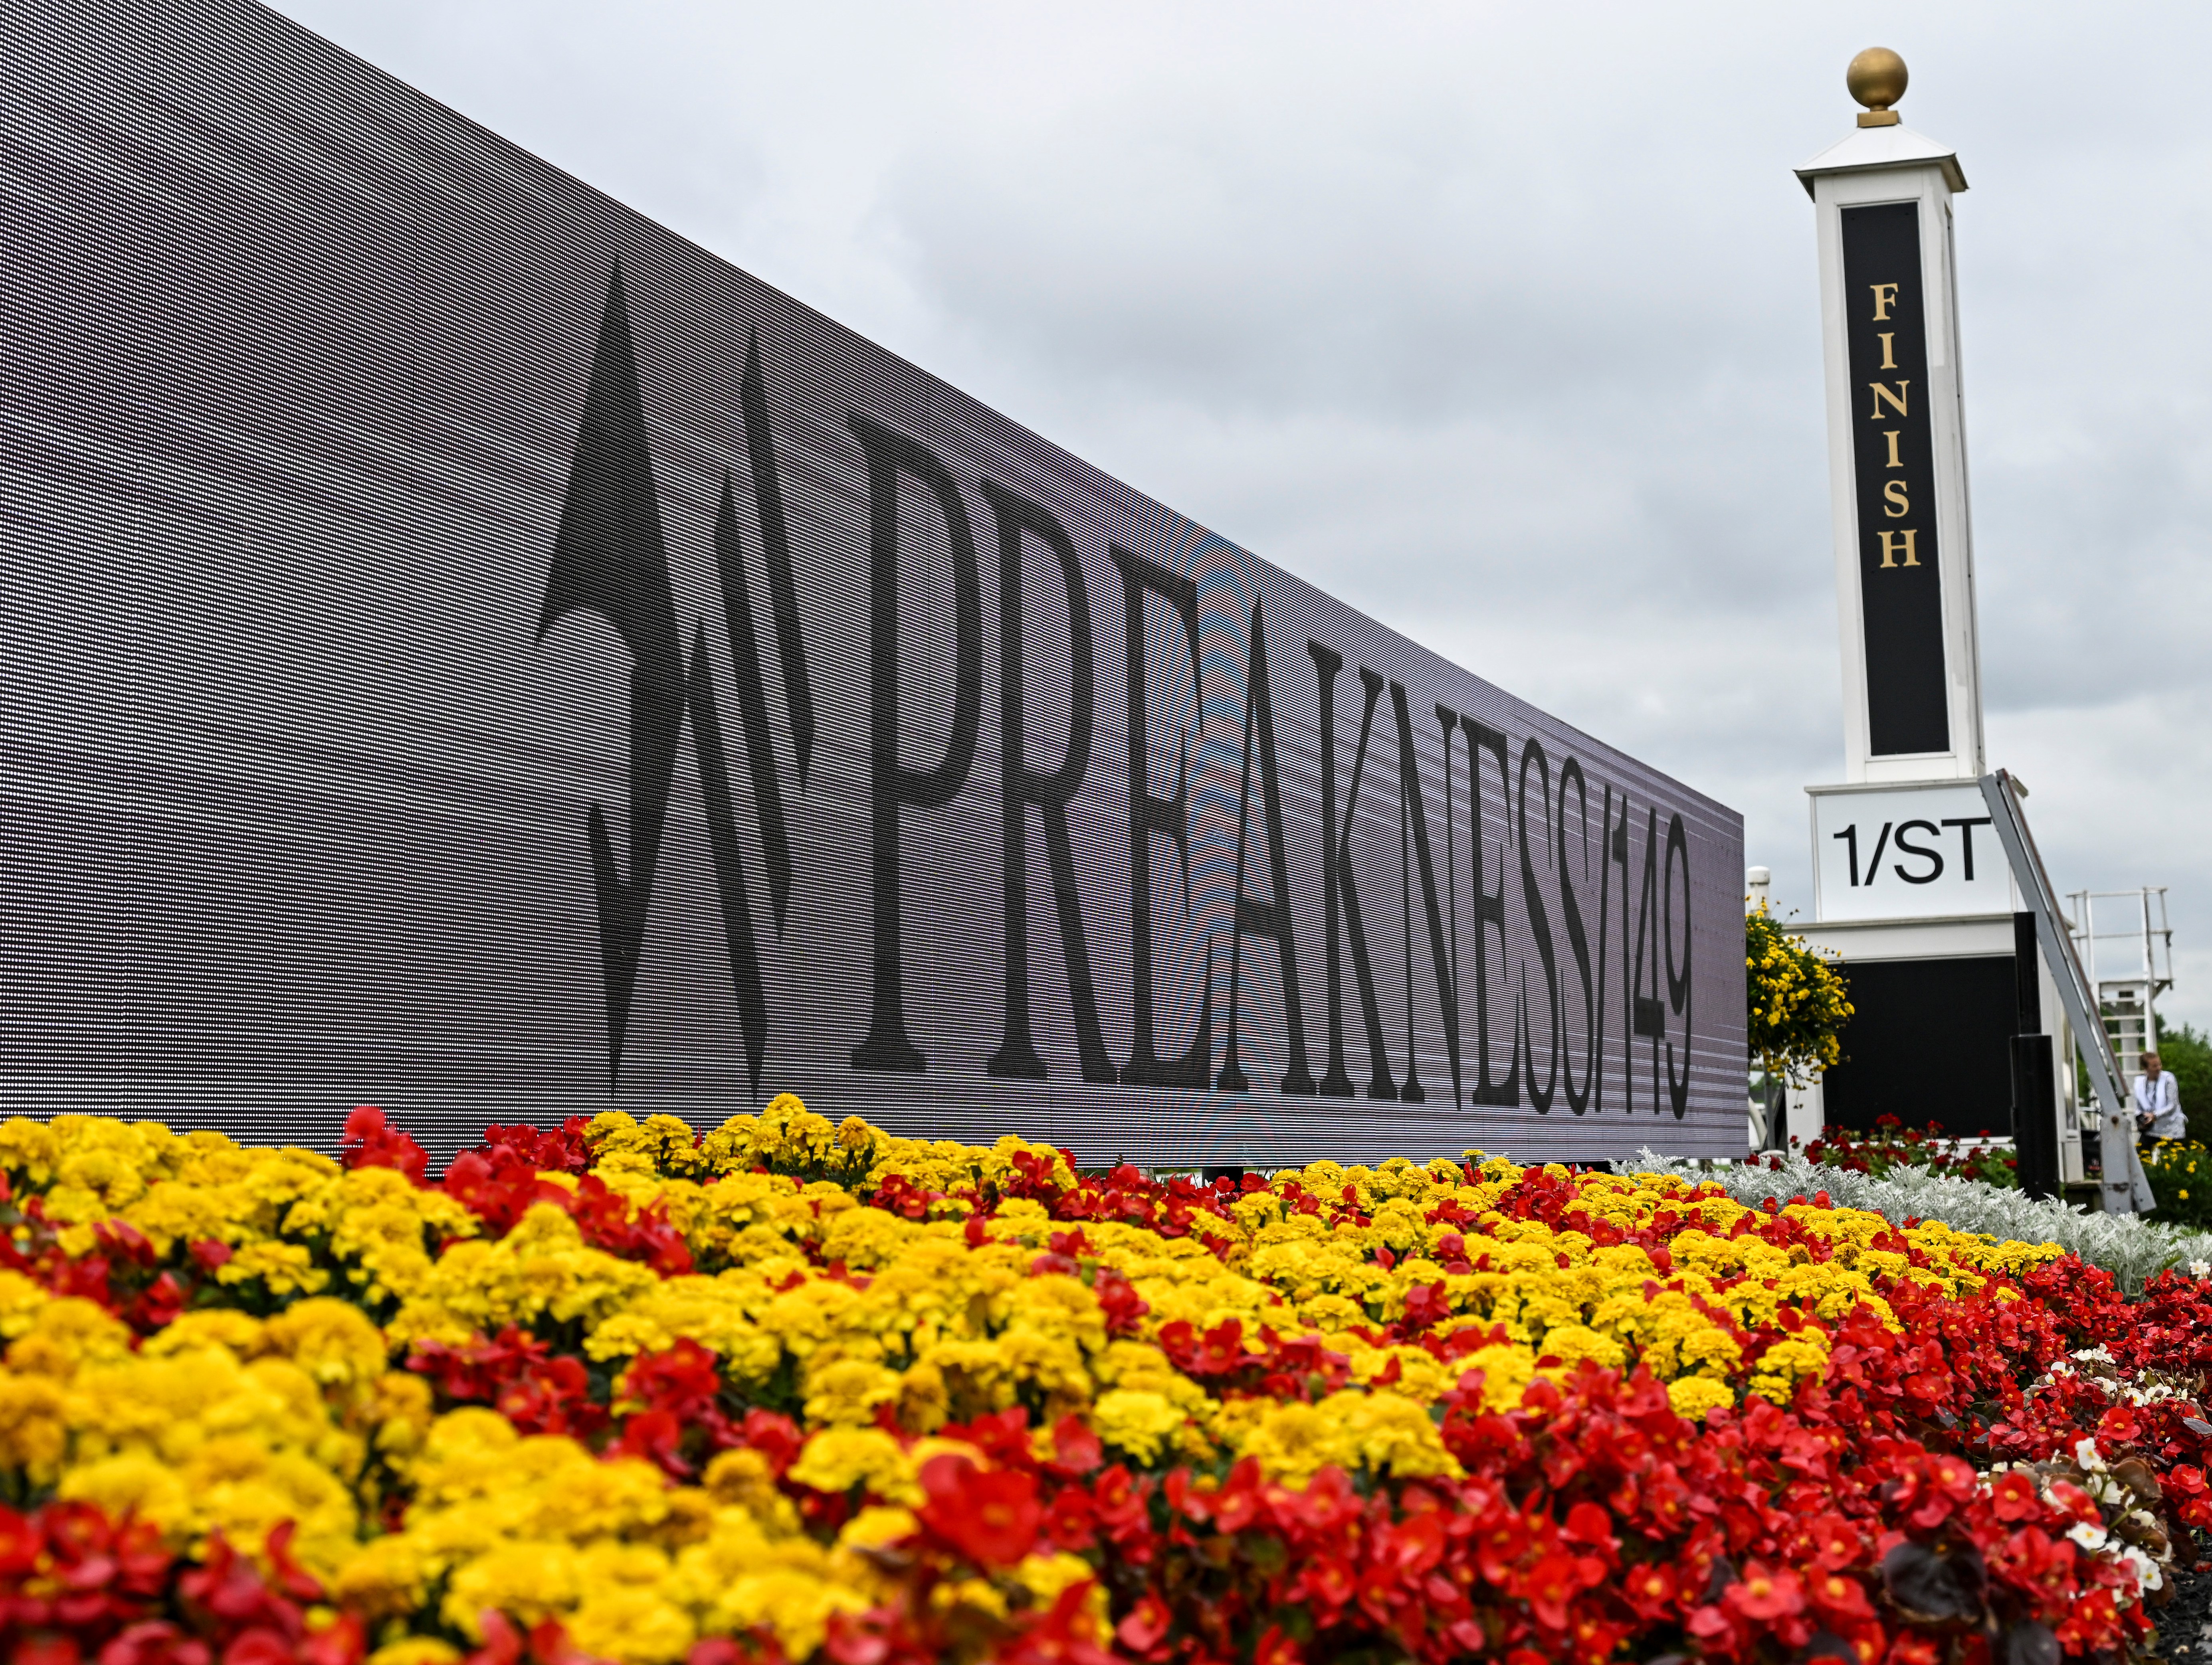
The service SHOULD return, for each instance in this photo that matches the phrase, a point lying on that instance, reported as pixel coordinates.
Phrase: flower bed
(2132, 1248)
(1892, 1145)
(793, 1391)
(2180, 1174)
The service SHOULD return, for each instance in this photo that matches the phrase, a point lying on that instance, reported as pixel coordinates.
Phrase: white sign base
(1906, 852)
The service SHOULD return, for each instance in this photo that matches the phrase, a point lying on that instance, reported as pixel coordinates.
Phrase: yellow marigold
(1692, 1396)
(337, 1346)
(1057, 1304)
(1384, 1432)
(846, 1393)
(197, 1440)
(1292, 1442)
(29, 1150)
(796, 1602)
(1391, 1433)
(980, 1595)
(1711, 1348)
(736, 1578)
(1507, 1370)
(716, 1312)
(925, 1402)
(785, 1133)
(382, 1227)
(617, 1496)
(20, 1301)
(1331, 1313)
(242, 1333)
(416, 1651)
(876, 1528)
(728, 1149)
(135, 1483)
(990, 1375)
(401, 1412)
(1257, 1209)
(1137, 1421)
(284, 1269)
(1227, 1421)
(541, 1269)
(63, 1335)
(33, 1426)
(386, 1576)
(98, 1164)
(742, 1478)
(765, 1200)
(838, 1459)
(666, 1143)
(528, 1580)
(476, 1453)
(1802, 1358)
(172, 1211)
(1571, 1343)
(237, 1484)
(634, 1623)
(1139, 1366)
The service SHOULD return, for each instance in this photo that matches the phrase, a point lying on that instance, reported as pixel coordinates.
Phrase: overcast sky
(1498, 322)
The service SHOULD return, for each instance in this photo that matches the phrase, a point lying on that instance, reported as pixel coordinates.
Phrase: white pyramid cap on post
(1869, 148)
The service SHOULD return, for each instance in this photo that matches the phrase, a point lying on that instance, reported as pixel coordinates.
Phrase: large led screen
(470, 651)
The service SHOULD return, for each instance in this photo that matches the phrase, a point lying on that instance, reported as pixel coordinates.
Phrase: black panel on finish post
(1930, 1040)
(1893, 464)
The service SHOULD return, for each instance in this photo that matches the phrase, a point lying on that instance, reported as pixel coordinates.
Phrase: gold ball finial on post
(1877, 79)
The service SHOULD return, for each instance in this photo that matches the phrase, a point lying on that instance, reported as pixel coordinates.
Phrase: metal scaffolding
(2127, 949)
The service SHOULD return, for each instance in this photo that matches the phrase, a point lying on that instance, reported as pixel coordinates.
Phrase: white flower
(2147, 1570)
(2091, 1538)
(2200, 1268)
(2084, 1453)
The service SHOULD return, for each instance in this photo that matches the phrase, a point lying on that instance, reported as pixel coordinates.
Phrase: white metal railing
(2126, 946)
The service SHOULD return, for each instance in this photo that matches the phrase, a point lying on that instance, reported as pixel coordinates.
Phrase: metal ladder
(2129, 956)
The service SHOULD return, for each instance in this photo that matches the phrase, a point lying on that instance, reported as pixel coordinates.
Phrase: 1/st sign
(1906, 853)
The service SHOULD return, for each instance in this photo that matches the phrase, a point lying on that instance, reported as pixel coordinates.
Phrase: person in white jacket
(2158, 1103)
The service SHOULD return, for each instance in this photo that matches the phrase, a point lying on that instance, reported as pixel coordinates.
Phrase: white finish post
(1897, 454)
(1906, 865)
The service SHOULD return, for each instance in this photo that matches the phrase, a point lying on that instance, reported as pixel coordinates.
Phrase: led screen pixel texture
(470, 651)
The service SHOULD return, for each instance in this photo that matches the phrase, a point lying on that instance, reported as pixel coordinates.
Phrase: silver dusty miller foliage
(2131, 1248)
